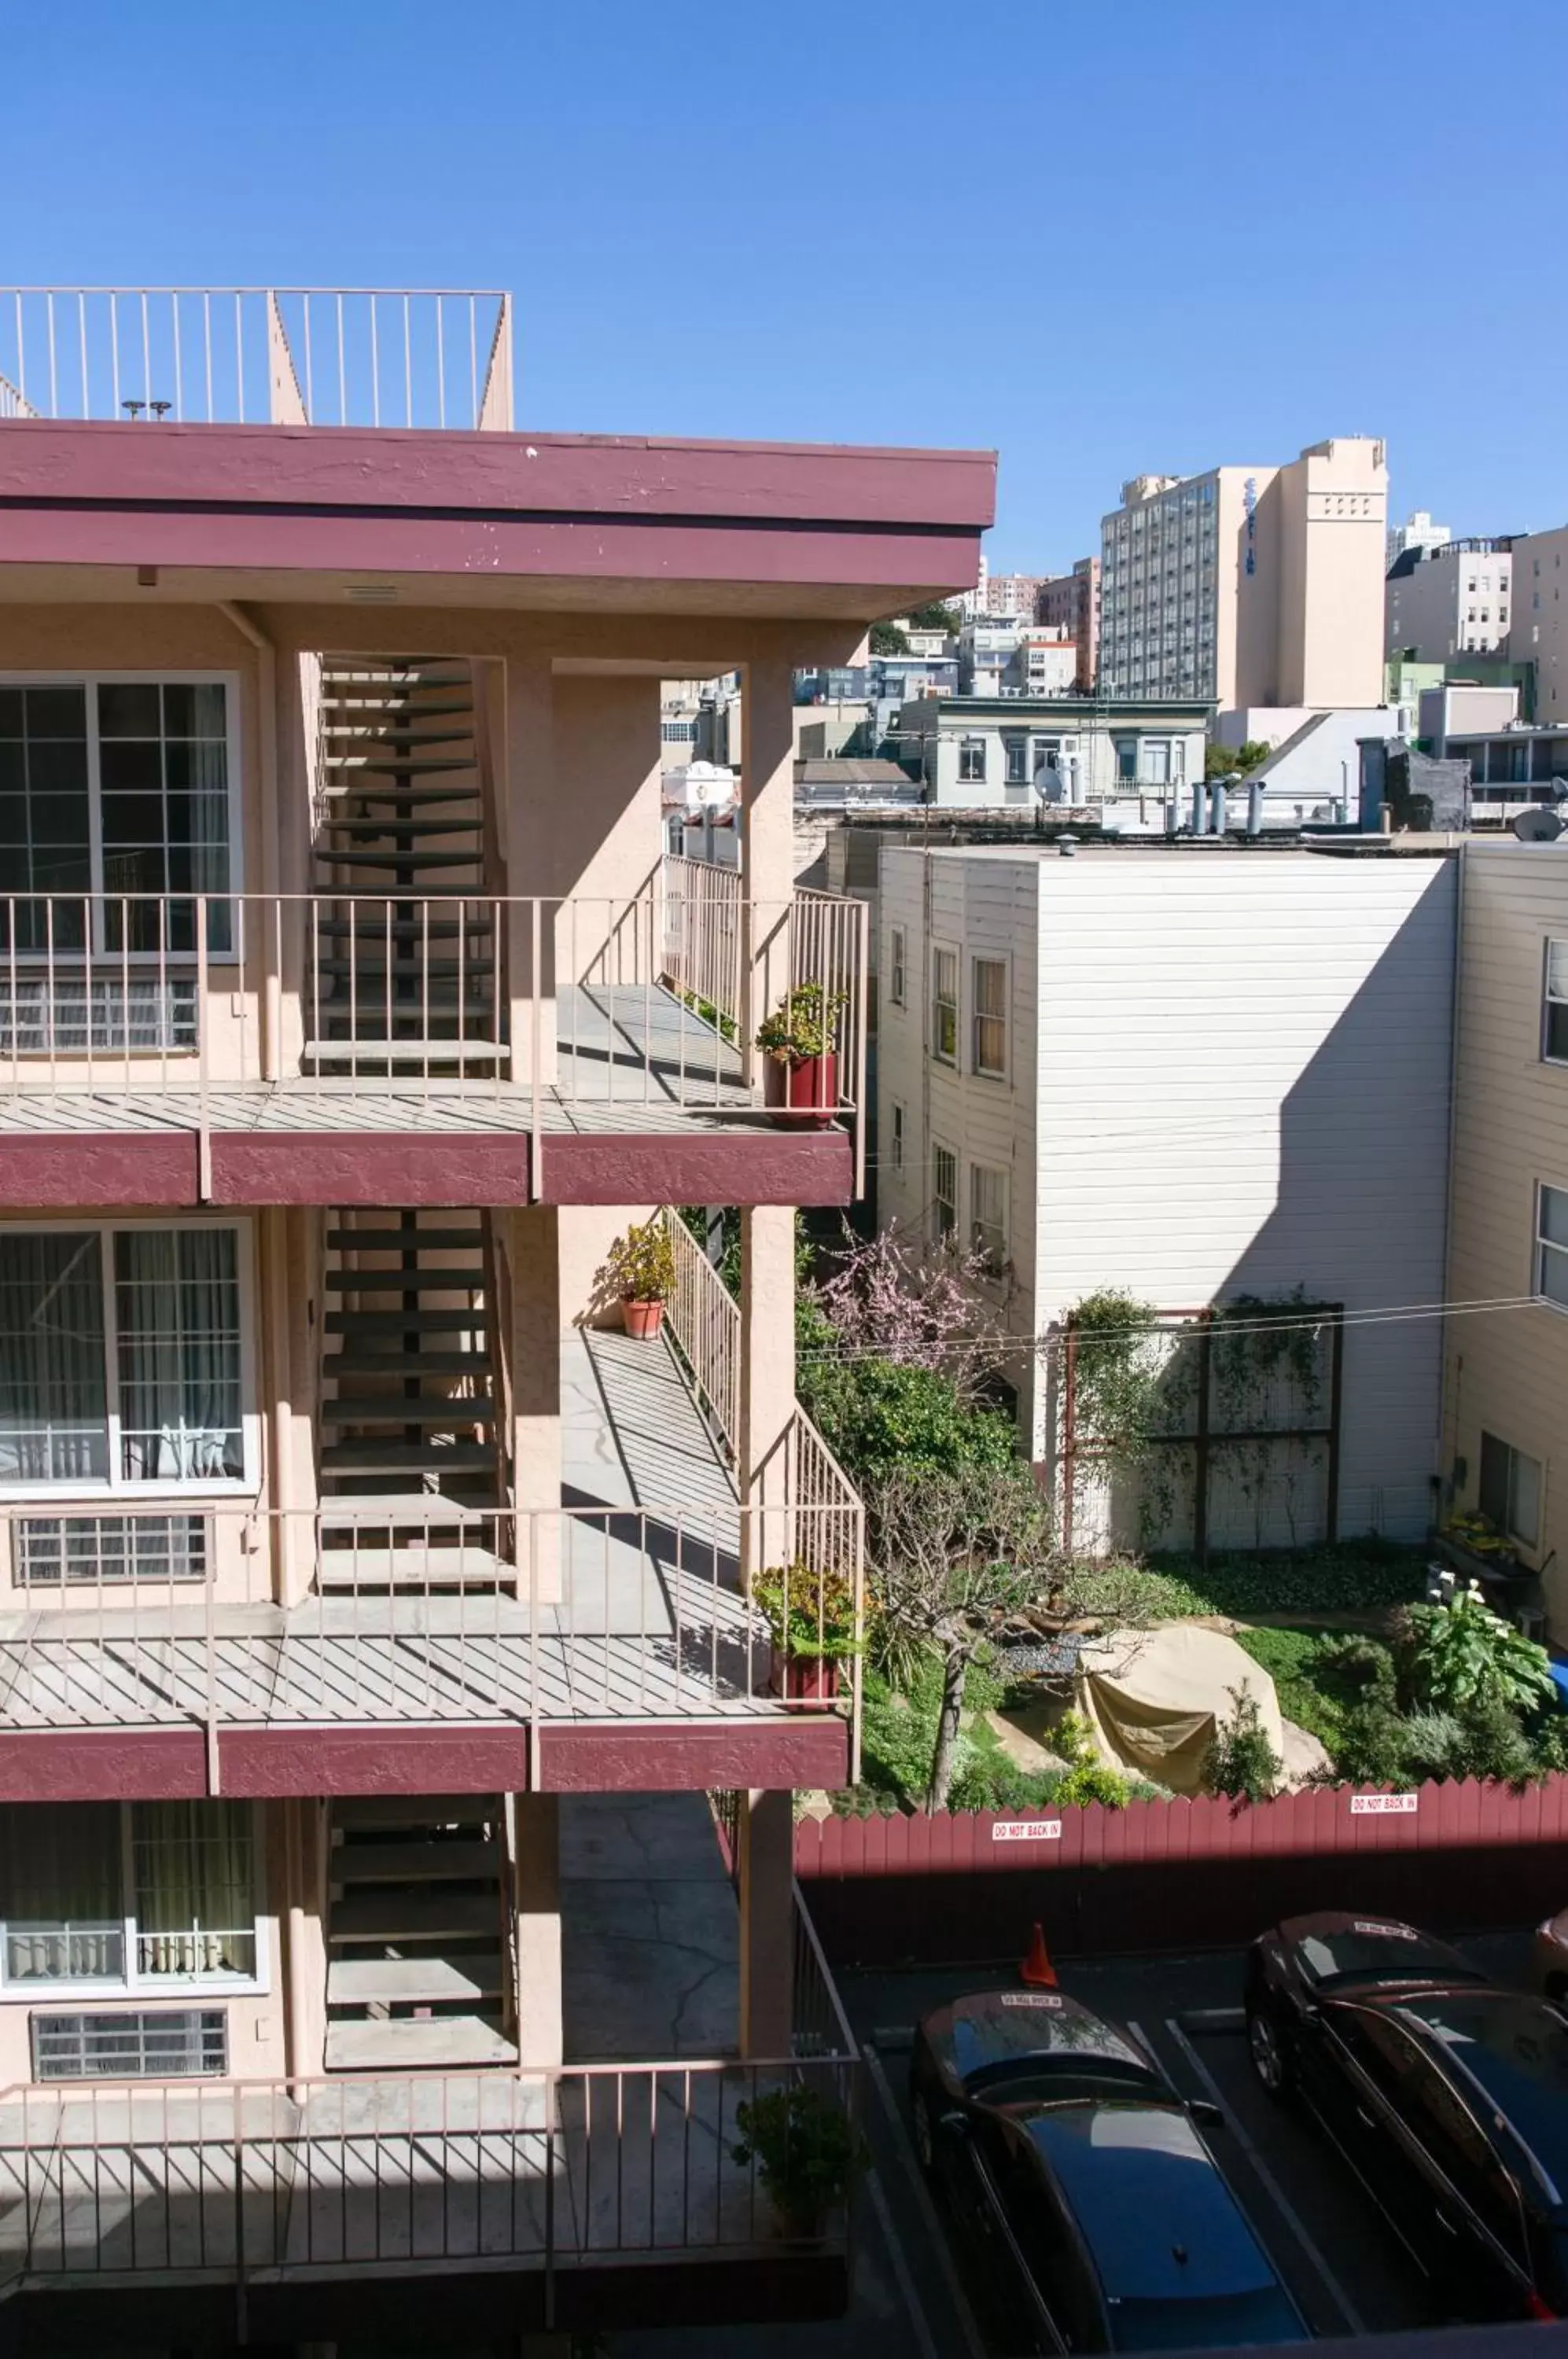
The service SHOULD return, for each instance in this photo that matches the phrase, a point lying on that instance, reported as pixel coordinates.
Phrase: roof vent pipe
(1217, 808)
(1255, 808)
(1199, 810)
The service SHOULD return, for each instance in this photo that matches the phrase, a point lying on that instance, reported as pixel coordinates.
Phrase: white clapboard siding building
(1193, 1075)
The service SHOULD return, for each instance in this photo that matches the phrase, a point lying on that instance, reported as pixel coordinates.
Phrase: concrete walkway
(650, 1939)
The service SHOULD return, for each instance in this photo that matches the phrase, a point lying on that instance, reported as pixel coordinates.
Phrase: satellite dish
(1542, 825)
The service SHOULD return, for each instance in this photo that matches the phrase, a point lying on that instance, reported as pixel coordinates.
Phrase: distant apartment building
(1418, 531)
(1002, 595)
(1539, 632)
(971, 752)
(1194, 1076)
(1250, 586)
(1014, 657)
(1455, 599)
(1070, 602)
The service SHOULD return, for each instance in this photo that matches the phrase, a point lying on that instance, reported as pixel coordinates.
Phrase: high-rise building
(1253, 586)
(1418, 531)
(1003, 596)
(1070, 602)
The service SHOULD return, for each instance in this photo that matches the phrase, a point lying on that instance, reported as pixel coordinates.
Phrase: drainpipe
(267, 700)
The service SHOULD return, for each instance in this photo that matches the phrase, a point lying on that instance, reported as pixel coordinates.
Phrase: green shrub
(1462, 1655)
(1240, 1760)
(1373, 1747)
(877, 1417)
(1095, 1781)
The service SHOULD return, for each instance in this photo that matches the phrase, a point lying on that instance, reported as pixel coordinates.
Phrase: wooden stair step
(377, 930)
(391, 1240)
(388, 1457)
(462, 1859)
(401, 2043)
(381, 1511)
(355, 1570)
(376, 1048)
(386, 1408)
(396, 1914)
(351, 1811)
(403, 1281)
(397, 1364)
(454, 1321)
(413, 1981)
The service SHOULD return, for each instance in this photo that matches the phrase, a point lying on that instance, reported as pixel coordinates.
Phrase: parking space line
(935, 2232)
(1271, 2185)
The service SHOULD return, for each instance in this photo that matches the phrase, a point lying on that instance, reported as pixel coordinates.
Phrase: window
(988, 1216)
(118, 788)
(972, 760)
(944, 1007)
(895, 1143)
(178, 2043)
(988, 1048)
(1017, 756)
(1555, 1034)
(1127, 760)
(1510, 1491)
(1552, 1245)
(895, 954)
(1156, 761)
(120, 1357)
(134, 1895)
(944, 1192)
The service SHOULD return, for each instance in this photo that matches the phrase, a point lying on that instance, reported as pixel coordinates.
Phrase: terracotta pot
(803, 1679)
(643, 1320)
(803, 1090)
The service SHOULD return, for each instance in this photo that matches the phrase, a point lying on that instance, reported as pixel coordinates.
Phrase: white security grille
(131, 2045)
(54, 1549)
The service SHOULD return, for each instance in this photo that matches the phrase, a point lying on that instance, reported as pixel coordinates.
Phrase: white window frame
(156, 676)
(989, 958)
(941, 950)
(1516, 1457)
(898, 964)
(994, 1270)
(39, 1992)
(972, 747)
(1545, 1246)
(939, 1231)
(117, 1486)
(1549, 998)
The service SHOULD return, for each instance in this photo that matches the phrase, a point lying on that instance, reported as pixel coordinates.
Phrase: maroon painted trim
(369, 1167)
(112, 1168)
(776, 1750)
(749, 1165)
(462, 1759)
(580, 476)
(149, 1765)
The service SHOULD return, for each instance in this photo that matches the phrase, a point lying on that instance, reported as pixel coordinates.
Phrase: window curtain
(60, 1883)
(195, 1888)
(53, 1410)
(176, 1303)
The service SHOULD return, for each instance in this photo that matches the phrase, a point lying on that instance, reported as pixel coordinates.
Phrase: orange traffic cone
(1037, 1968)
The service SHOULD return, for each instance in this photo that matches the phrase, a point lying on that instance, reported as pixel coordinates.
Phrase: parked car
(1094, 2215)
(1446, 2096)
(1549, 1957)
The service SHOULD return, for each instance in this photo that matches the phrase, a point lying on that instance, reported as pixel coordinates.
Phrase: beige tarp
(1153, 1697)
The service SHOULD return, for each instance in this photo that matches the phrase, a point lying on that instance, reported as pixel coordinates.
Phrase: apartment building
(1250, 586)
(1070, 603)
(971, 752)
(1419, 531)
(1451, 601)
(1005, 596)
(1539, 633)
(1193, 1074)
(351, 1551)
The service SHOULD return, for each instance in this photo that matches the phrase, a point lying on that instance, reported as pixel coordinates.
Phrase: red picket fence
(1161, 1876)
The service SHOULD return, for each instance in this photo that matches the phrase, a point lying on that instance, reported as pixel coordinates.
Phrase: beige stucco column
(533, 1261)
(767, 1381)
(537, 1852)
(765, 1837)
(767, 799)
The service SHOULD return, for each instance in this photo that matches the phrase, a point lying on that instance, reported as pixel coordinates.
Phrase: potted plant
(1471, 1544)
(810, 1618)
(640, 1273)
(799, 1040)
(807, 2153)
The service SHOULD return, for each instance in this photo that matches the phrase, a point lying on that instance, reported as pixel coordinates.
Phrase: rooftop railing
(285, 356)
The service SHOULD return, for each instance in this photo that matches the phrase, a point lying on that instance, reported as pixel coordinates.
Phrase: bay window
(121, 1357)
(132, 1895)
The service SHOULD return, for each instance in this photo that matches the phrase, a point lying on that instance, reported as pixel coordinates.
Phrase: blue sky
(1141, 234)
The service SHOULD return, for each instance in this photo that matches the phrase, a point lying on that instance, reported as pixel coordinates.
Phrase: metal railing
(422, 1612)
(704, 1326)
(704, 934)
(516, 997)
(288, 355)
(549, 2171)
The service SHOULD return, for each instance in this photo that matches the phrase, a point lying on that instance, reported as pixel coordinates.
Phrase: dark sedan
(1447, 2096)
(1094, 2213)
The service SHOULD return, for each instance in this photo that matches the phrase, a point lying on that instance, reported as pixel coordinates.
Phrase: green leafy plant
(1240, 1760)
(810, 1612)
(807, 2152)
(803, 1025)
(1095, 1781)
(1462, 1654)
(640, 1265)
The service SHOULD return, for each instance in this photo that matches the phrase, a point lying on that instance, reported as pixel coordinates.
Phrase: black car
(1095, 2212)
(1447, 2096)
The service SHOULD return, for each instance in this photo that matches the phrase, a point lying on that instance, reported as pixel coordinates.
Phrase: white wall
(1537, 632)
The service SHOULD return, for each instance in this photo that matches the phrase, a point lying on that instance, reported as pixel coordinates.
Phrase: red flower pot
(643, 1320)
(803, 1679)
(803, 1090)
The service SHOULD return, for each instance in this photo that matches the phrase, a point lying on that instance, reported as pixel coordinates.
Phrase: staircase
(400, 981)
(409, 1460)
(417, 1975)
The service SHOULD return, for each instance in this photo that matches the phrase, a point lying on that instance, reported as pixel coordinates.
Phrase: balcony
(242, 1647)
(558, 2198)
(438, 358)
(227, 1045)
